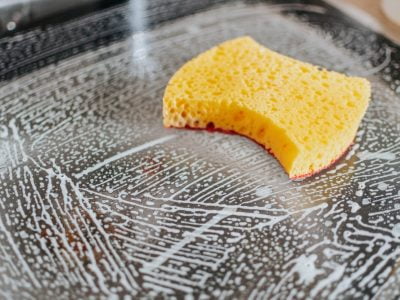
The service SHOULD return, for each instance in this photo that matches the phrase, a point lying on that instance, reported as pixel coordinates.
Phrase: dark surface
(97, 199)
(25, 14)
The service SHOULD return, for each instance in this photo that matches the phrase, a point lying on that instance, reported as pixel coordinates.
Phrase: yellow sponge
(306, 116)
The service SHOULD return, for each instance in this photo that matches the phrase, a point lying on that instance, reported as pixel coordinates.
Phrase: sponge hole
(357, 94)
(210, 126)
(304, 69)
(351, 104)
(339, 127)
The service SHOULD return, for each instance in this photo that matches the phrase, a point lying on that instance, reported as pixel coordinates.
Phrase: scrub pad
(304, 115)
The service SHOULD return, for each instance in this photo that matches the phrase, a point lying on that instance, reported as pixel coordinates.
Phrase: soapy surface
(98, 200)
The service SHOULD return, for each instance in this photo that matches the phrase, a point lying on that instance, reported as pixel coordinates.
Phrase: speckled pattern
(98, 200)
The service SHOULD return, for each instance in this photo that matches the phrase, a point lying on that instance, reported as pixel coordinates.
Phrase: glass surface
(98, 199)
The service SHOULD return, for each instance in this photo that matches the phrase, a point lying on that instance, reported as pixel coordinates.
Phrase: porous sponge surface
(305, 115)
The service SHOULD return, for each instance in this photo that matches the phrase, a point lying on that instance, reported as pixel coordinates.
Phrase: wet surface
(97, 199)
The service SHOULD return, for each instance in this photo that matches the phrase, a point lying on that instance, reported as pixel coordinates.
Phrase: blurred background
(15, 15)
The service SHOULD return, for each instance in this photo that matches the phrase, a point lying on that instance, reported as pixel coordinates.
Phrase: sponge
(304, 115)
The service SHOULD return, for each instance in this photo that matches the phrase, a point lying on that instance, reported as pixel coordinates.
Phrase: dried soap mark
(123, 154)
(354, 206)
(335, 276)
(126, 278)
(263, 191)
(25, 267)
(18, 145)
(59, 126)
(149, 267)
(381, 66)
(366, 155)
(147, 179)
